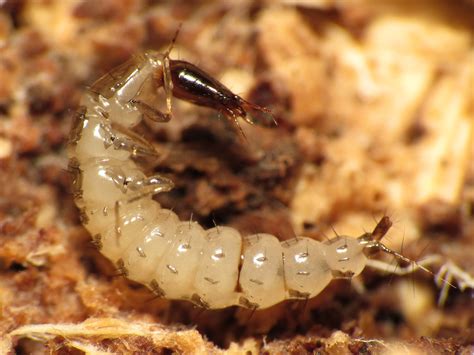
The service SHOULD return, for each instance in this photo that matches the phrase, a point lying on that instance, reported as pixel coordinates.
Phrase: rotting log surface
(375, 104)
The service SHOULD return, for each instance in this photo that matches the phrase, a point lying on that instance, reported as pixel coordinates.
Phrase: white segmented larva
(214, 268)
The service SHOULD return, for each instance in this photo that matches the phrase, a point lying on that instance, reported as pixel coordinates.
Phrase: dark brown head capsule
(194, 85)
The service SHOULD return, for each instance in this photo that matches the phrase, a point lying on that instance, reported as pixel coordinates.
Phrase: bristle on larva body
(214, 268)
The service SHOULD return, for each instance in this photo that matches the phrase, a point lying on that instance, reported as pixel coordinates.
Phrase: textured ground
(375, 108)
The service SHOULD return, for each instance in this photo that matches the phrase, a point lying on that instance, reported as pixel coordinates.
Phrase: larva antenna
(173, 41)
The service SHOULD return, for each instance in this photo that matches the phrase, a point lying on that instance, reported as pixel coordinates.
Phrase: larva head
(192, 84)
(188, 82)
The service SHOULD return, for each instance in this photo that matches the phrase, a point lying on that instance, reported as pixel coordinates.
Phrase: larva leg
(128, 141)
(141, 188)
(148, 93)
(167, 82)
(109, 140)
(151, 112)
(121, 93)
(102, 182)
